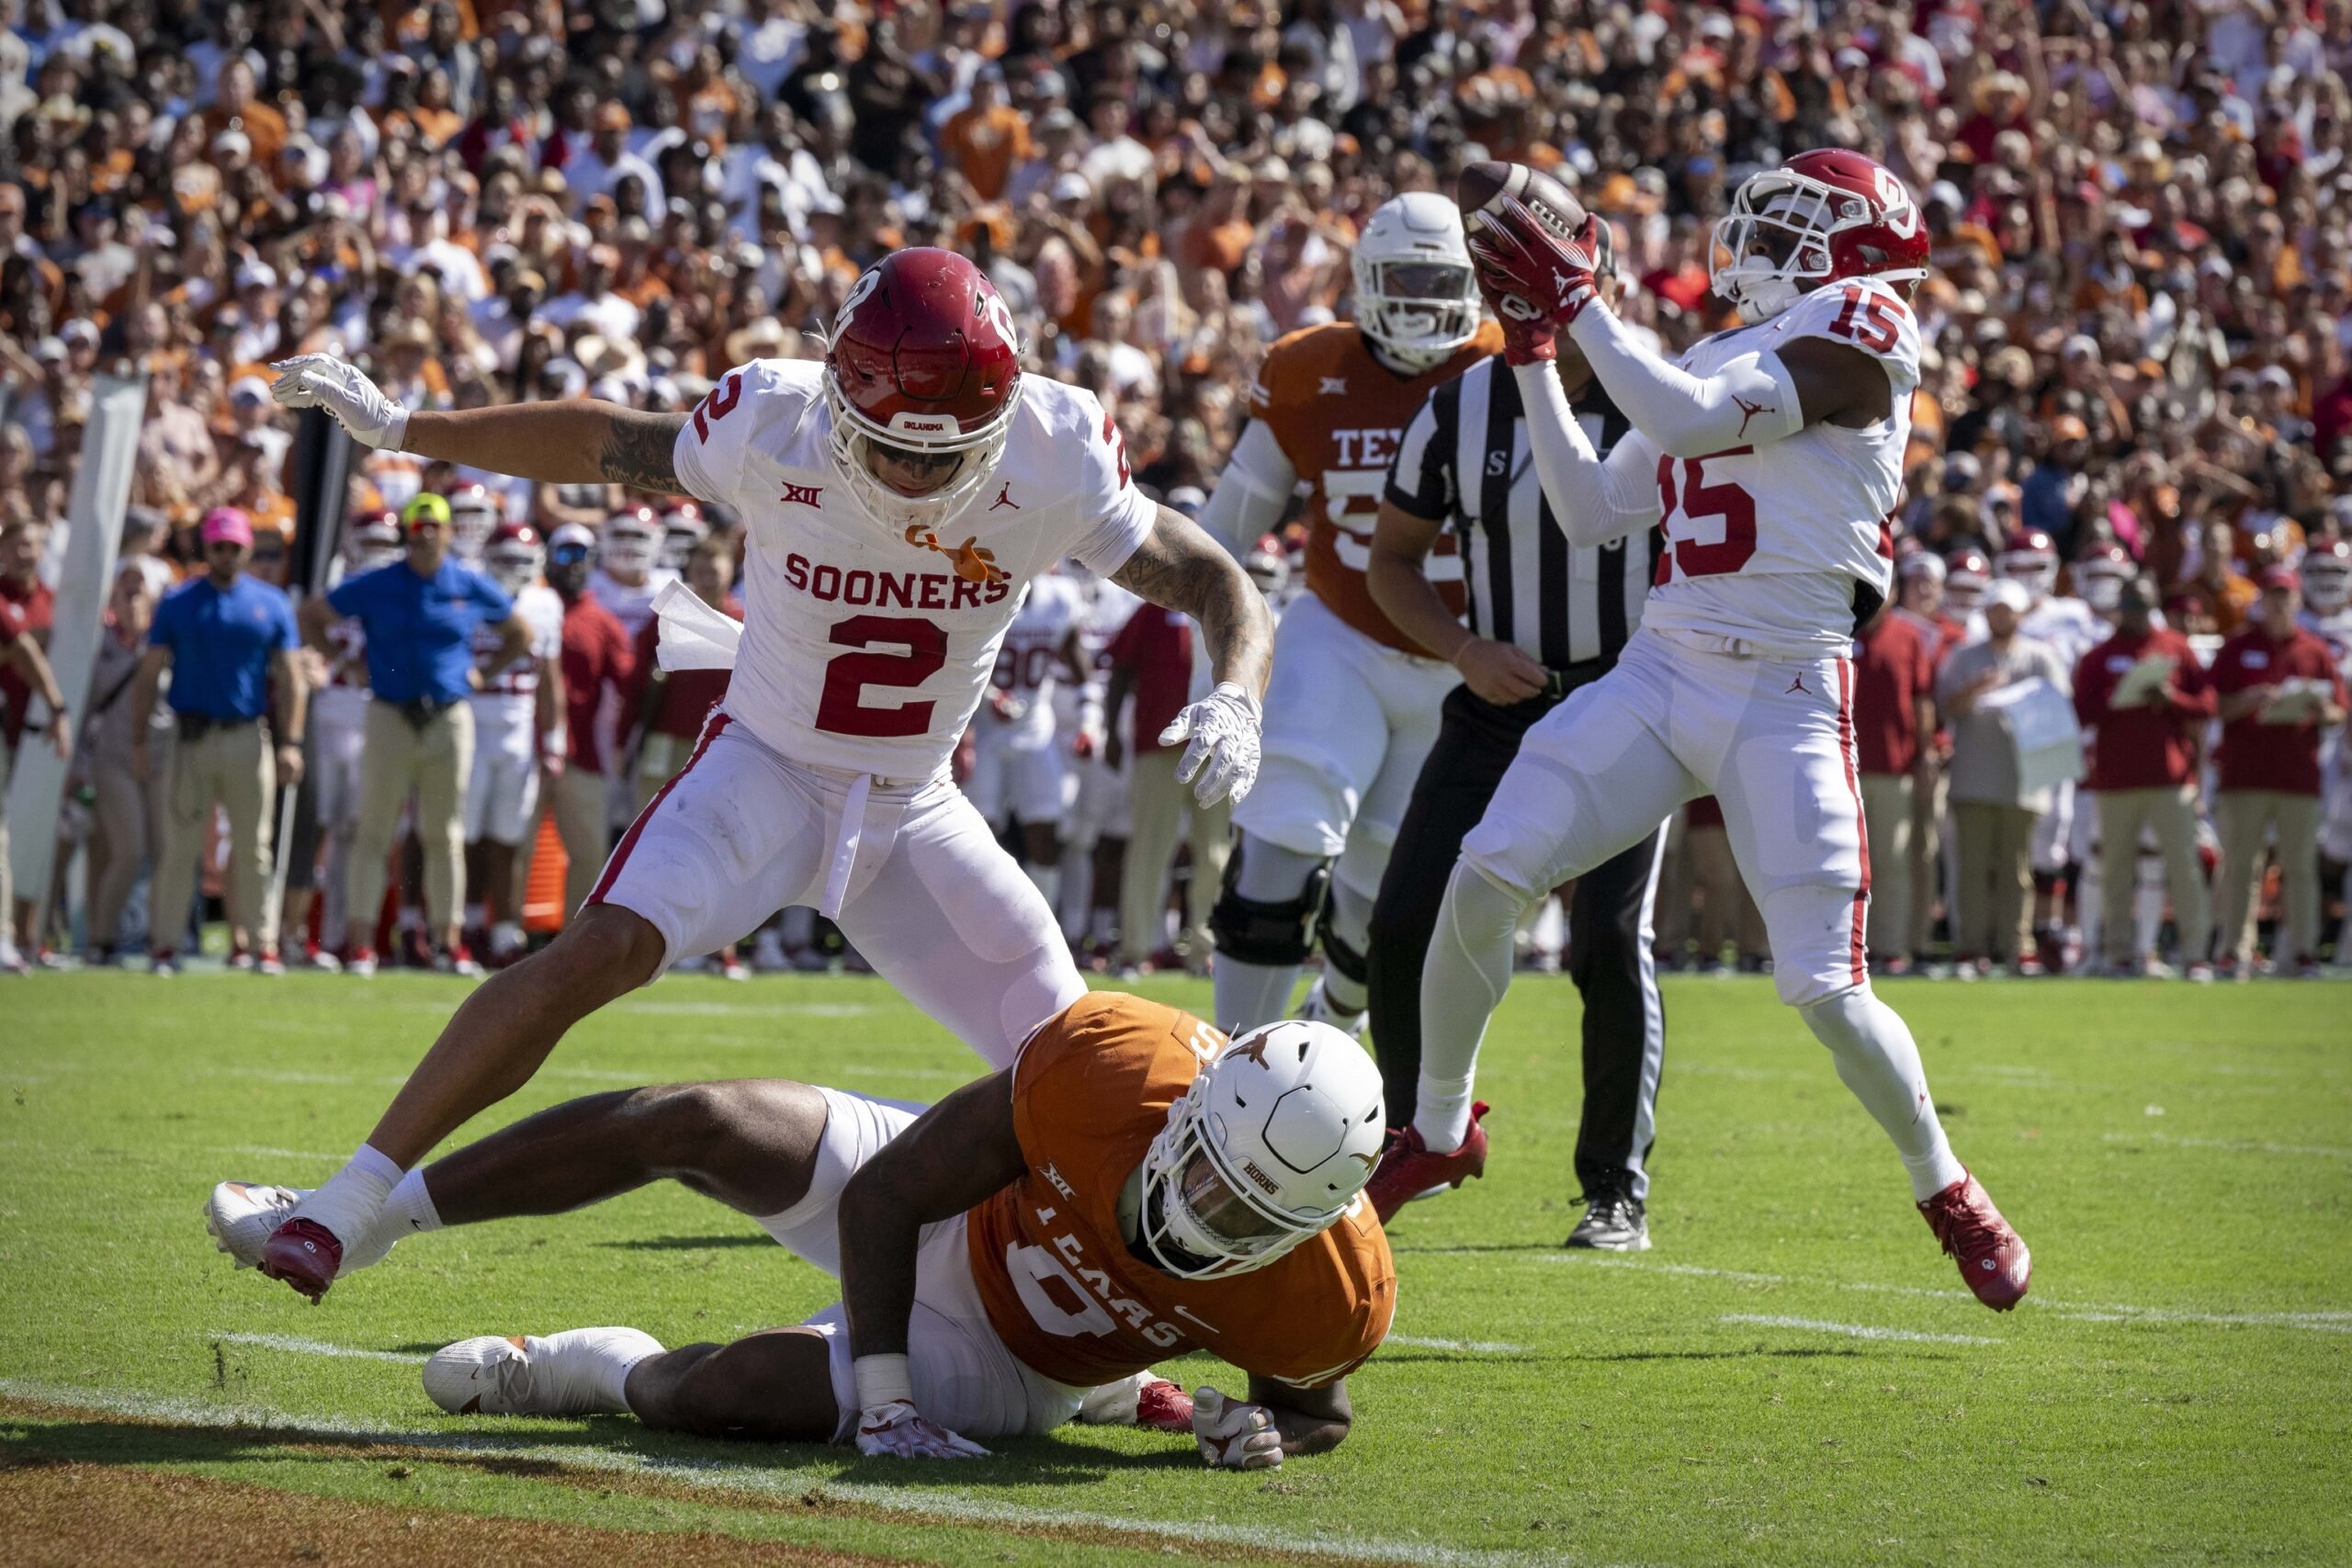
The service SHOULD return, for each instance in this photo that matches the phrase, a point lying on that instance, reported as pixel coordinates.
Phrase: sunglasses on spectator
(568, 555)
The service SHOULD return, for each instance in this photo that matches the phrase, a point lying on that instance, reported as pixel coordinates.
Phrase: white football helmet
(1967, 575)
(1268, 567)
(515, 557)
(2030, 558)
(682, 531)
(1416, 296)
(2099, 578)
(372, 540)
(474, 516)
(2328, 576)
(629, 545)
(1271, 1143)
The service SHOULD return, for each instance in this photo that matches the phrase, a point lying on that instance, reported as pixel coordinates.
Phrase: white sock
(1463, 981)
(1879, 1061)
(1048, 879)
(412, 1205)
(596, 1363)
(347, 1205)
(1251, 994)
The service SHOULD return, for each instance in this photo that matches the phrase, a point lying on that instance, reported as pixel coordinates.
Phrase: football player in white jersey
(474, 517)
(339, 723)
(628, 572)
(1771, 454)
(897, 497)
(1017, 766)
(1100, 819)
(2069, 626)
(515, 711)
(2326, 573)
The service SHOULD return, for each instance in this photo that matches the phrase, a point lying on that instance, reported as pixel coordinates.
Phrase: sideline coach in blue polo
(224, 636)
(420, 614)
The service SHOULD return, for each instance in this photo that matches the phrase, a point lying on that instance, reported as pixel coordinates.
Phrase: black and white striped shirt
(1465, 461)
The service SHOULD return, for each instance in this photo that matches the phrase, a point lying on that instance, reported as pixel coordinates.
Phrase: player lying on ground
(1131, 1188)
(1770, 454)
(898, 497)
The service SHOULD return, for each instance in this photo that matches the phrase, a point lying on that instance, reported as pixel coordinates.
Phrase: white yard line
(920, 1503)
(2235, 1146)
(316, 1347)
(1855, 1330)
(1479, 1347)
(2088, 1311)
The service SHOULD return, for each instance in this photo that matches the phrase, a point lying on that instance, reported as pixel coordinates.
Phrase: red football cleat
(1164, 1407)
(1409, 1170)
(1993, 1258)
(304, 1253)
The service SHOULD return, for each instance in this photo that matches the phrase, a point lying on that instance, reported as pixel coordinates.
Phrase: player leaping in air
(879, 581)
(1131, 1188)
(1772, 452)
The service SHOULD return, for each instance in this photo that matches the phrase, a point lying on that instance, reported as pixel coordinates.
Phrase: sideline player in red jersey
(1131, 1188)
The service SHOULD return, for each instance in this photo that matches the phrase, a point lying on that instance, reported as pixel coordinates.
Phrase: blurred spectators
(1895, 722)
(2280, 688)
(128, 790)
(597, 666)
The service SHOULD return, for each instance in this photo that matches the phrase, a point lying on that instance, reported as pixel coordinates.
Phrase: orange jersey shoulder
(1063, 1290)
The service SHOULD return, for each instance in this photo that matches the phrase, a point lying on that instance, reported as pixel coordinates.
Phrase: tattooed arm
(575, 442)
(1179, 566)
(955, 1155)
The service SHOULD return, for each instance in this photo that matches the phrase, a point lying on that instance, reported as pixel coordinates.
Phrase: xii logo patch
(1332, 385)
(803, 495)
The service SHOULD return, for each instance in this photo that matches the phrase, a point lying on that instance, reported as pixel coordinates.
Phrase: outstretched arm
(559, 443)
(1593, 500)
(1180, 566)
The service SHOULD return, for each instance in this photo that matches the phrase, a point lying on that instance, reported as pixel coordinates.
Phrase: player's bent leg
(1342, 994)
(1263, 921)
(775, 1386)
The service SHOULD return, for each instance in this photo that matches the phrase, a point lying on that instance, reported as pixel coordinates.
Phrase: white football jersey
(512, 694)
(1772, 544)
(2069, 626)
(1030, 667)
(341, 703)
(631, 603)
(864, 648)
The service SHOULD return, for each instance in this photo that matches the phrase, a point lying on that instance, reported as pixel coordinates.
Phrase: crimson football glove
(1536, 282)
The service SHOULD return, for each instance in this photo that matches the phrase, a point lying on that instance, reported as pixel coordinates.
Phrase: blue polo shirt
(420, 629)
(221, 644)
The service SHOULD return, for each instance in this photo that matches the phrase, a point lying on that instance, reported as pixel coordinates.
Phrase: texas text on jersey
(1091, 1091)
(1783, 544)
(1338, 414)
(904, 626)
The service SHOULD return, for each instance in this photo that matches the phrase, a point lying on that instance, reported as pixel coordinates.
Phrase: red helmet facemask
(923, 378)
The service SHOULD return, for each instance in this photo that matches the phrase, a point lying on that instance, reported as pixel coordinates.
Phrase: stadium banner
(93, 532)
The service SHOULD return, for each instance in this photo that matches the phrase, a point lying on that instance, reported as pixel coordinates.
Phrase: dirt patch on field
(94, 1516)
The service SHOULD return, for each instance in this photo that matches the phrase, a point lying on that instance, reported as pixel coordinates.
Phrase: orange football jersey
(1089, 1093)
(1337, 416)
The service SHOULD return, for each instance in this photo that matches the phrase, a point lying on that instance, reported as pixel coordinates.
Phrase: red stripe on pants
(1861, 825)
(710, 732)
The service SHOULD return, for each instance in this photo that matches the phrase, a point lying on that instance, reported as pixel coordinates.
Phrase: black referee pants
(1624, 1019)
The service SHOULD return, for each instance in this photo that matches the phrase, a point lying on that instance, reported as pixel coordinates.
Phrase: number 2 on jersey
(841, 709)
(1703, 501)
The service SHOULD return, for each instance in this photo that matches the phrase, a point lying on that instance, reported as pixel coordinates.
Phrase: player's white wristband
(881, 1380)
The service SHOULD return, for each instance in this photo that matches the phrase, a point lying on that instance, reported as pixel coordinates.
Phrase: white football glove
(898, 1430)
(322, 381)
(1222, 727)
(1233, 1435)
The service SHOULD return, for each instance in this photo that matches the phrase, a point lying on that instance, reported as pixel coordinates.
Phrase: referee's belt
(1559, 683)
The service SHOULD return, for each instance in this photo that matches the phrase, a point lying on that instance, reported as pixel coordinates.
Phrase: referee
(1544, 618)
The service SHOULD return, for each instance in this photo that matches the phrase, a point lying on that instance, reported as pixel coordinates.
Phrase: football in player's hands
(1233, 1434)
(1484, 186)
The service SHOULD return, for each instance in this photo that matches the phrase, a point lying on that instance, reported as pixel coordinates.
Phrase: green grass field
(1793, 1375)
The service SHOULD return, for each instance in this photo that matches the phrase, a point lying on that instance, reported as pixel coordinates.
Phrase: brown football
(1484, 186)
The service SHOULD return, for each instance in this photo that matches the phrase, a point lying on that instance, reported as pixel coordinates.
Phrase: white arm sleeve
(1256, 488)
(1747, 402)
(1594, 501)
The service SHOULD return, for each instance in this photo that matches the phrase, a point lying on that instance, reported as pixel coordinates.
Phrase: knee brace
(1257, 930)
(1340, 951)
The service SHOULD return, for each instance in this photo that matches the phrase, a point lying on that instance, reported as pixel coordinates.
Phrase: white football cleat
(239, 1217)
(563, 1374)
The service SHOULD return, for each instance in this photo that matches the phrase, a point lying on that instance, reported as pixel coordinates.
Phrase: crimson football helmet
(515, 558)
(1822, 216)
(629, 545)
(2101, 576)
(684, 528)
(2032, 559)
(921, 379)
(1967, 574)
(474, 516)
(2328, 576)
(1268, 567)
(372, 540)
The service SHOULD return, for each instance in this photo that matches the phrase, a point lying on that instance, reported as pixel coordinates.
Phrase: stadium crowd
(2131, 473)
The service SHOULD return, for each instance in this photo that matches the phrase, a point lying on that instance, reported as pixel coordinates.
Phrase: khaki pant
(1886, 818)
(7, 885)
(1928, 809)
(1156, 803)
(1993, 905)
(1731, 912)
(131, 813)
(433, 762)
(2243, 817)
(2171, 813)
(580, 822)
(235, 768)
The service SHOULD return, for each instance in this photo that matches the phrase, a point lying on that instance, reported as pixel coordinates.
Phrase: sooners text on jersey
(1338, 415)
(1089, 1093)
(865, 649)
